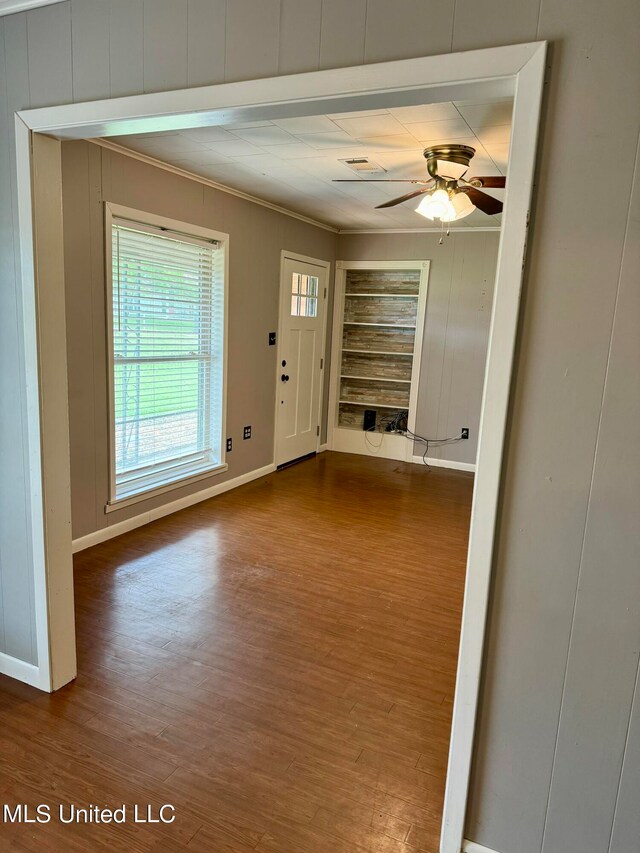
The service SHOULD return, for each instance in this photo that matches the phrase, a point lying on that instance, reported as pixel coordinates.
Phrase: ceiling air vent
(362, 164)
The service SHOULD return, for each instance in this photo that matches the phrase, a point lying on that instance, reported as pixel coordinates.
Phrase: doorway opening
(515, 71)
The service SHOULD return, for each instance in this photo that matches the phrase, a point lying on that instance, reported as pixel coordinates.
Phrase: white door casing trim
(326, 266)
(23, 671)
(516, 70)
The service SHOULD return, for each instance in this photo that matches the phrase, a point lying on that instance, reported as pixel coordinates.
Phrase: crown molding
(10, 7)
(193, 176)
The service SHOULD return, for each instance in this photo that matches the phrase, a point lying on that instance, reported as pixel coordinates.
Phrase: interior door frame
(514, 70)
(326, 265)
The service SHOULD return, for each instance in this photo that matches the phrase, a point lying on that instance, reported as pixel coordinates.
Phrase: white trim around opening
(514, 70)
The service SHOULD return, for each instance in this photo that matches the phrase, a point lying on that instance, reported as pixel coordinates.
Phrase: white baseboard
(20, 670)
(322, 448)
(445, 463)
(121, 527)
(472, 847)
(384, 445)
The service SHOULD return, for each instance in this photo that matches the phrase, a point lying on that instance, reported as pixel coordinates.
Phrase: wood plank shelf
(378, 325)
(372, 405)
(376, 378)
(382, 295)
(377, 352)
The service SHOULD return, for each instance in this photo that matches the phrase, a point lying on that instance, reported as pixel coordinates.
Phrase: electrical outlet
(229, 445)
(247, 432)
(464, 432)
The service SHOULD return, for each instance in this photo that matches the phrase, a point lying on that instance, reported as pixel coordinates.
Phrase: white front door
(303, 294)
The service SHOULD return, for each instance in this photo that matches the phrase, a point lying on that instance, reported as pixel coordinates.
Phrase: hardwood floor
(278, 663)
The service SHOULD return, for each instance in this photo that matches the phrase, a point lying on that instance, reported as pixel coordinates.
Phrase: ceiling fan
(448, 195)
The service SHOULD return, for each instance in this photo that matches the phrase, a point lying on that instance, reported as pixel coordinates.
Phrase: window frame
(308, 297)
(153, 221)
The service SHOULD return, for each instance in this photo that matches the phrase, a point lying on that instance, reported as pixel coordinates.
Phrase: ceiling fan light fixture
(451, 171)
(436, 205)
(461, 206)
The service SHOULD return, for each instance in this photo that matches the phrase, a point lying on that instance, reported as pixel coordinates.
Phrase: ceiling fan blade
(402, 198)
(491, 182)
(380, 181)
(484, 202)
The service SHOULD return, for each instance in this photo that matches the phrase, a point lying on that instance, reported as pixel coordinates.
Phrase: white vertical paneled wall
(417, 32)
(546, 680)
(17, 626)
(206, 38)
(605, 635)
(50, 55)
(299, 41)
(90, 49)
(164, 22)
(575, 257)
(252, 51)
(126, 73)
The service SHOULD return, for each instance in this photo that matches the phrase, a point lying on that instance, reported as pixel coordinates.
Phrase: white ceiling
(292, 162)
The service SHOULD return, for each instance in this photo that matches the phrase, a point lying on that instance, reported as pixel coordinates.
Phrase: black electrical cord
(431, 442)
(397, 422)
(417, 437)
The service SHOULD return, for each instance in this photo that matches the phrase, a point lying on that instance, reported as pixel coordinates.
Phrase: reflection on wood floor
(278, 663)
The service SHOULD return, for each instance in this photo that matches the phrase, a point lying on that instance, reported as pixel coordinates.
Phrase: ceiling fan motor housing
(457, 155)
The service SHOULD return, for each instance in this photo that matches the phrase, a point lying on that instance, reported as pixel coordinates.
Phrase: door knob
(284, 377)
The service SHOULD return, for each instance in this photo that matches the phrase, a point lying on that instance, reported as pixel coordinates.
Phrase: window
(304, 295)
(167, 357)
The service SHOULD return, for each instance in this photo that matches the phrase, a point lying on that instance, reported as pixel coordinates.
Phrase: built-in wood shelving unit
(379, 312)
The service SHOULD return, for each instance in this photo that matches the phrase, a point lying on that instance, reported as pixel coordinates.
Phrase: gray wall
(571, 465)
(93, 175)
(456, 333)
(456, 329)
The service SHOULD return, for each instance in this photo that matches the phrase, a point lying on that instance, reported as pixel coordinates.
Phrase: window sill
(147, 494)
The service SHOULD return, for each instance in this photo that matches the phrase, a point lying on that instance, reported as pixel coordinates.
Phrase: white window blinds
(167, 357)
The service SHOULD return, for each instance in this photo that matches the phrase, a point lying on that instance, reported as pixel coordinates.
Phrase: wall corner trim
(445, 463)
(10, 7)
(21, 670)
(472, 847)
(121, 527)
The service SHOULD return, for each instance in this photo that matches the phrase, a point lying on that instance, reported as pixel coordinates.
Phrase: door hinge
(325, 293)
(317, 430)
(321, 363)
